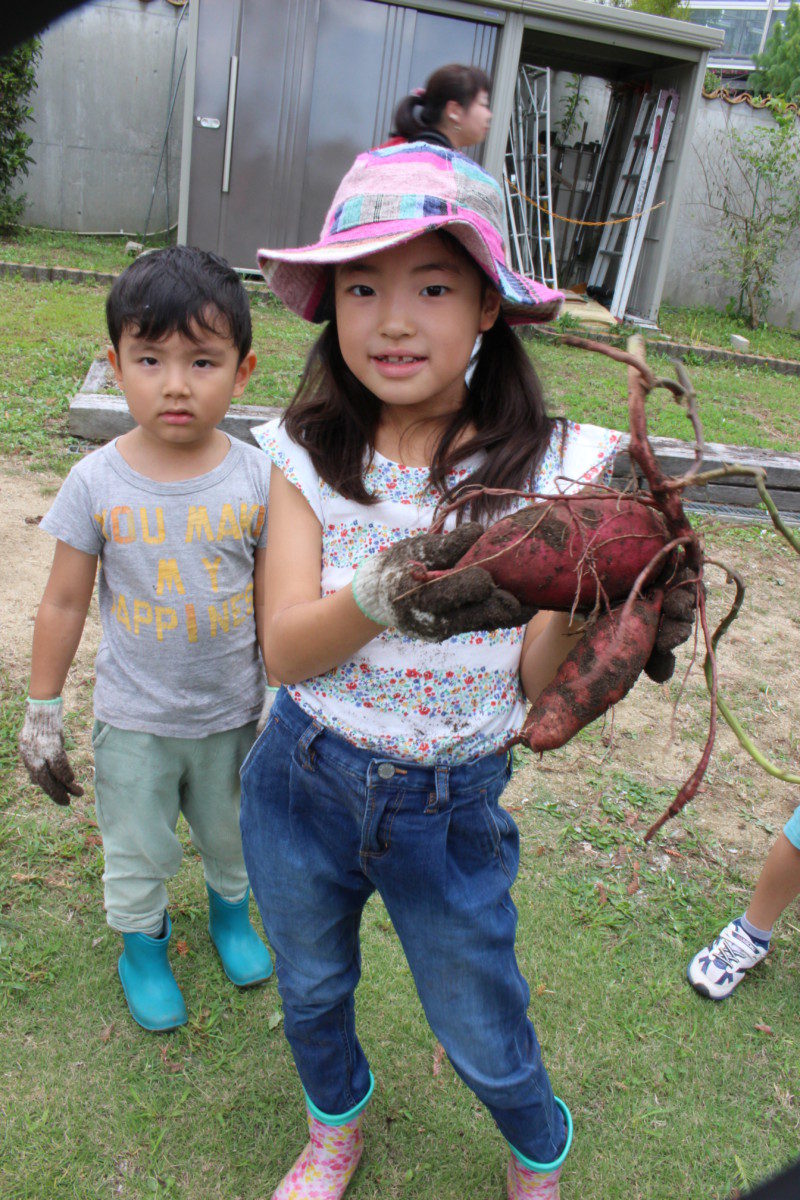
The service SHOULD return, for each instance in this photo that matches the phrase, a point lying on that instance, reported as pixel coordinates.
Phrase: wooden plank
(743, 497)
(96, 415)
(675, 456)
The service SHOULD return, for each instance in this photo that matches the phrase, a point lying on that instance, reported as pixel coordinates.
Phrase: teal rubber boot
(153, 996)
(245, 958)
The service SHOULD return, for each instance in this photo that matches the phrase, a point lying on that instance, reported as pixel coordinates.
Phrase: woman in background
(452, 110)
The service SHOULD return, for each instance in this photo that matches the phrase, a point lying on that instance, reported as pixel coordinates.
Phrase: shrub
(17, 81)
(752, 186)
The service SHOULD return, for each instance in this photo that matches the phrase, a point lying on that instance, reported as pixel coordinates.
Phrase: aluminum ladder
(620, 246)
(527, 168)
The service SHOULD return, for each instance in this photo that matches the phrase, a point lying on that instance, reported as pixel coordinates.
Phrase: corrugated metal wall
(316, 81)
(100, 112)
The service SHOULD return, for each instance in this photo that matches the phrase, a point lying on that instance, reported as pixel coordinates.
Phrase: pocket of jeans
(505, 836)
(256, 746)
(100, 732)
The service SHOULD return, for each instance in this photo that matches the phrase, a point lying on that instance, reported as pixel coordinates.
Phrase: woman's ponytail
(410, 118)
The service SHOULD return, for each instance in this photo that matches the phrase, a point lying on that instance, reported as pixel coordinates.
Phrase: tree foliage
(678, 10)
(753, 195)
(17, 82)
(778, 67)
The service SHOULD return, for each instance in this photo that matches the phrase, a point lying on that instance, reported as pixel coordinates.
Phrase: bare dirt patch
(27, 553)
(657, 734)
(650, 739)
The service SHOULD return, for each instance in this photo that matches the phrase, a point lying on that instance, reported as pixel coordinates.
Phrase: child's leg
(210, 802)
(137, 781)
(210, 799)
(445, 877)
(721, 966)
(137, 800)
(779, 882)
(301, 838)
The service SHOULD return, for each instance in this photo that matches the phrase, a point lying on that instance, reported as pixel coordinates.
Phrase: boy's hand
(386, 590)
(41, 748)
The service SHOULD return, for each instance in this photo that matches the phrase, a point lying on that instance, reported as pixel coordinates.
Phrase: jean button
(385, 770)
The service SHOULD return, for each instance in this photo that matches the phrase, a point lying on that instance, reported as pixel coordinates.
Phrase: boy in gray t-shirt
(175, 513)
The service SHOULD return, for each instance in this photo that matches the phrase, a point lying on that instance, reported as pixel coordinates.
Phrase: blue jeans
(325, 824)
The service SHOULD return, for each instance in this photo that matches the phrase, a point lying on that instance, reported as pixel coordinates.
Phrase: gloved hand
(675, 627)
(386, 589)
(41, 748)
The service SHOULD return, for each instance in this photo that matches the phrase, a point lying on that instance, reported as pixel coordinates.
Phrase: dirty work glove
(388, 590)
(270, 693)
(675, 627)
(41, 748)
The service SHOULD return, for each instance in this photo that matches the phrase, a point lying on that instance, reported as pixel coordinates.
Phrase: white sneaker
(717, 969)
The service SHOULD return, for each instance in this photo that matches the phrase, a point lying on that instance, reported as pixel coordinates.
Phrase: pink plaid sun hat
(391, 195)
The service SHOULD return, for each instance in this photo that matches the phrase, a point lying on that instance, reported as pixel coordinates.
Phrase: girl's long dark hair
(420, 113)
(335, 418)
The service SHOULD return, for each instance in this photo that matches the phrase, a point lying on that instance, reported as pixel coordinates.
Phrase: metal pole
(504, 84)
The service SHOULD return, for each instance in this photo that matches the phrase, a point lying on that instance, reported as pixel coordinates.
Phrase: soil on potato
(651, 738)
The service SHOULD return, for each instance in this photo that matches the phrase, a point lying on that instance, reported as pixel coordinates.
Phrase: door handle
(226, 162)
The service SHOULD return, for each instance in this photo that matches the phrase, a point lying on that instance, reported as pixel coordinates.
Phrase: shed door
(317, 82)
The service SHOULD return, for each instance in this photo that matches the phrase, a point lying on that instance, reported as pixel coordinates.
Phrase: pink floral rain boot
(329, 1161)
(528, 1180)
(525, 1184)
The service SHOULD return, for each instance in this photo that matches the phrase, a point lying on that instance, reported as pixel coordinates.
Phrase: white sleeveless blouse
(445, 702)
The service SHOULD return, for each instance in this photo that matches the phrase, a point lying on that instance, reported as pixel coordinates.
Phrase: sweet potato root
(597, 672)
(583, 552)
(568, 554)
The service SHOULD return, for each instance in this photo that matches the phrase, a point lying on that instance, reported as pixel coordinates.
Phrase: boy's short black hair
(170, 290)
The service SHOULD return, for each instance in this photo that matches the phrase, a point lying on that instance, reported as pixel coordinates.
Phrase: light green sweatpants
(142, 784)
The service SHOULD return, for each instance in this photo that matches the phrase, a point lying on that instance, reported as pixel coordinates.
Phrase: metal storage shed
(282, 94)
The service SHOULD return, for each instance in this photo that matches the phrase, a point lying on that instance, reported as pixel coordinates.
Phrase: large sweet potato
(562, 554)
(597, 673)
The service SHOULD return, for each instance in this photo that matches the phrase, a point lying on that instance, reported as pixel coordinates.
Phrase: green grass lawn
(705, 326)
(673, 1097)
(50, 333)
(701, 326)
(57, 248)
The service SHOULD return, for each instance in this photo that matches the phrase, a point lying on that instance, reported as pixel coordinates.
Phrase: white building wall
(693, 275)
(100, 117)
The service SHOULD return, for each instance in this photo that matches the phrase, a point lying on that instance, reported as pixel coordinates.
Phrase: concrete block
(740, 344)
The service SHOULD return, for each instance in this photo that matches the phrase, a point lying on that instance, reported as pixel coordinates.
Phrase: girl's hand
(678, 615)
(387, 589)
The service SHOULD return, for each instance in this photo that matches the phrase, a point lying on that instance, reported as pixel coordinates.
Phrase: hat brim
(299, 276)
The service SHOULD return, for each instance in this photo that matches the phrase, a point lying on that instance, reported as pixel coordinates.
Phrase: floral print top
(447, 702)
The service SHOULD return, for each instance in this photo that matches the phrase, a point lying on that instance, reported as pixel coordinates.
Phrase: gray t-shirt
(179, 655)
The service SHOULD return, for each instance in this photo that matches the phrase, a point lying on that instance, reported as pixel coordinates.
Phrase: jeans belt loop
(305, 742)
(442, 775)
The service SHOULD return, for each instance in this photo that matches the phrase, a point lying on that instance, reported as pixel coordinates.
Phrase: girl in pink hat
(385, 754)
